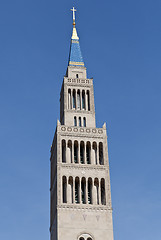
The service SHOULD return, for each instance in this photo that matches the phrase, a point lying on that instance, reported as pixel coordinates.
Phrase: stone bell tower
(80, 195)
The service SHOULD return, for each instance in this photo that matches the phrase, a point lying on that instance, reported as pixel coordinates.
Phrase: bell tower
(80, 195)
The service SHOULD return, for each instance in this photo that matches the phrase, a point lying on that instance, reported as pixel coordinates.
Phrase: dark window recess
(75, 121)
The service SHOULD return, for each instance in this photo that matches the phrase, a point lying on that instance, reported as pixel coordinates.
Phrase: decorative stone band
(75, 41)
(84, 206)
(87, 130)
(85, 167)
(76, 63)
(79, 81)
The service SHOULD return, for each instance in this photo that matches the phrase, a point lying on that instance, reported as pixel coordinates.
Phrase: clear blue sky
(121, 47)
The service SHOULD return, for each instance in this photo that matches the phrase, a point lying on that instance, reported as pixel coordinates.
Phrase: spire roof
(75, 55)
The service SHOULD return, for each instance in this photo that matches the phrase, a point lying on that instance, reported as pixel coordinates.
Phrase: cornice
(86, 207)
(81, 132)
(83, 166)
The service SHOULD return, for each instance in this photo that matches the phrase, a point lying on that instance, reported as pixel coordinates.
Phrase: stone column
(86, 191)
(86, 101)
(95, 156)
(70, 161)
(106, 193)
(72, 152)
(94, 194)
(76, 99)
(99, 190)
(73, 189)
(68, 191)
(71, 98)
(80, 195)
(60, 151)
(98, 154)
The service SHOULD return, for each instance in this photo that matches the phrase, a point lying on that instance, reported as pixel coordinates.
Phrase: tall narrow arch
(88, 153)
(74, 98)
(83, 190)
(83, 100)
(69, 99)
(64, 188)
(77, 191)
(63, 151)
(82, 160)
(84, 122)
(78, 100)
(103, 193)
(75, 151)
(90, 200)
(101, 160)
(75, 121)
(80, 122)
(88, 100)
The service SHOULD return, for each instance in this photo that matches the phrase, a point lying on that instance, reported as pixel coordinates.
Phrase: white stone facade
(80, 181)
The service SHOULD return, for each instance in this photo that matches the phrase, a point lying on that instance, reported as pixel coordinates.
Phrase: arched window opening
(70, 182)
(96, 184)
(76, 152)
(83, 99)
(83, 190)
(69, 157)
(77, 76)
(95, 152)
(64, 189)
(75, 121)
(90, 191)
(78, 99)
(84, 122)
(82, 152)
(74, 99)
(103, 194)
(88, 99)
(77, 190)
(63, 151)
(85, 236)
(88, 153)
(69, 99)
(101, 162)
(80, 124)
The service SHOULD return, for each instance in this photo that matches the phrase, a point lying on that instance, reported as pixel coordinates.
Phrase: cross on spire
(73, 10)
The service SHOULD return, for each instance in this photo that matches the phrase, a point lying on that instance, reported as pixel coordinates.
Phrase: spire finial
(73, 10)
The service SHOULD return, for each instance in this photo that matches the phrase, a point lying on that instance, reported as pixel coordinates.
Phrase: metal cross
(73, 10)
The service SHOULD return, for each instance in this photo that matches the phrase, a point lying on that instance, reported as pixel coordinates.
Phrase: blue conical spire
(75, 55)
